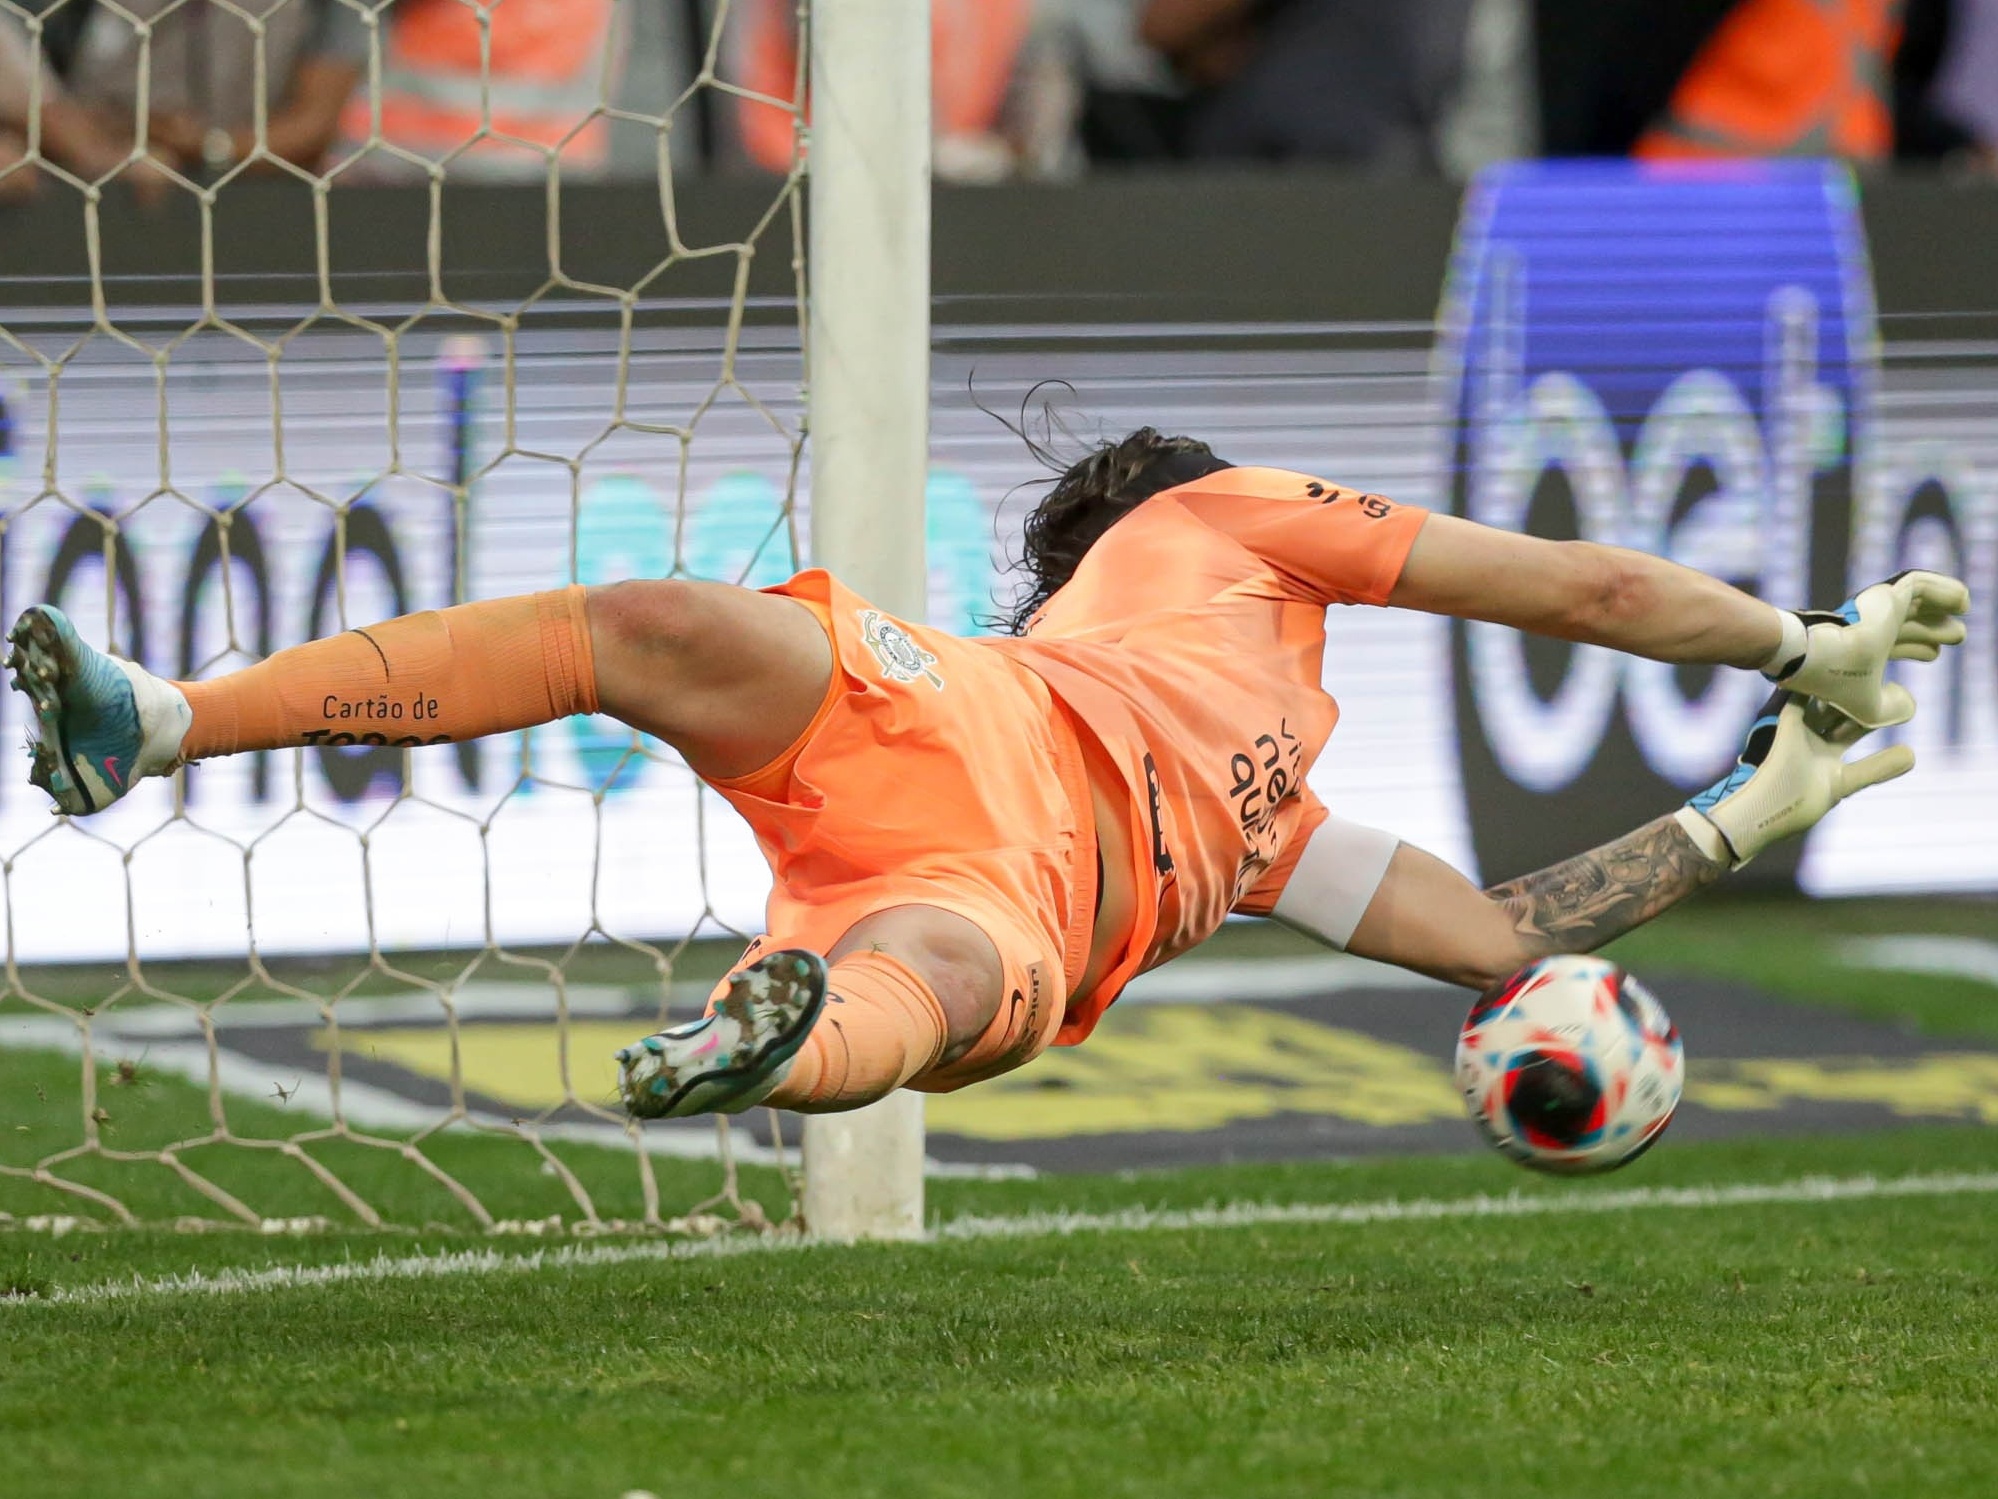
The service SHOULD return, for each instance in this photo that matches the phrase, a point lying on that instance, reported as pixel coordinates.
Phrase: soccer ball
(1570, 1066)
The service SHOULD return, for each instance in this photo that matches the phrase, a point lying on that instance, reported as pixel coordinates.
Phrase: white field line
(1972, 958)
(1811, 1189)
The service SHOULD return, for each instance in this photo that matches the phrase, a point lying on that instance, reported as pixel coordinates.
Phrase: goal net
(363, 984)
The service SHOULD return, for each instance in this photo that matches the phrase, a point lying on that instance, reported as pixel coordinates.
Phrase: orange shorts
(938, 773)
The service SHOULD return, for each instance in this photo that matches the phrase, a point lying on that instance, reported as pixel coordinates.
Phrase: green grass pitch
(1811, 1349)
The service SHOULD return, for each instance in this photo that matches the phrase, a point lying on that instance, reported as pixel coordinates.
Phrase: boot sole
(778, 1050)
(36, 669)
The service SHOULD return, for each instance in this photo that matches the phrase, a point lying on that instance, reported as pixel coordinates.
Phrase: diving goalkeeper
(977, 843)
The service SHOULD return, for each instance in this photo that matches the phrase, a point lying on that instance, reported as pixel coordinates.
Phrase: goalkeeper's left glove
(1840, 656)
(1792, 771)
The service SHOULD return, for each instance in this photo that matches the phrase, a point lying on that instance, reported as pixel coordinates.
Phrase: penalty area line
(970, 1228)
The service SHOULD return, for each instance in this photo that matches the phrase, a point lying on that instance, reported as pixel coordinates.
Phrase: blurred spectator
(70, 136)
(1786, 78)
(1321, 80)
(1946, 82)
(1966, 86)
(1003, 99)
(198, 77)
(1716, 78)
(504, 85)
(1493, 117)
(1125, 102)
(1606, 68)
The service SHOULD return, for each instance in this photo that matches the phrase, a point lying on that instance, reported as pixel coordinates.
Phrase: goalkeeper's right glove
(1840, 656)
(1791, 772)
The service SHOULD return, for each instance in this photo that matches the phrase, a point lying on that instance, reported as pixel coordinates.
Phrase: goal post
(868, 374)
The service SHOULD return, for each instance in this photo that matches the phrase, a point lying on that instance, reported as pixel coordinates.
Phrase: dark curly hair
(1090, 497)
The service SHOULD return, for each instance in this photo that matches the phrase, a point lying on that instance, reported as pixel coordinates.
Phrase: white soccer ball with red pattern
(1570, 1066)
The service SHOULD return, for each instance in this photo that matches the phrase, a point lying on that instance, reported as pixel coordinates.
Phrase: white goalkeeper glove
(1792, 771)
(1840, 656)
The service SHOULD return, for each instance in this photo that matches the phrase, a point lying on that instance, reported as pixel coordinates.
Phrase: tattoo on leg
(1578, 905)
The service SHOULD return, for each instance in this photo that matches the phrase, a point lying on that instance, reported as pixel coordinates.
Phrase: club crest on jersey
(902, 660)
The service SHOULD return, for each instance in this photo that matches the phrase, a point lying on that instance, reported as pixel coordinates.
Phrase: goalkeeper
(977, 843)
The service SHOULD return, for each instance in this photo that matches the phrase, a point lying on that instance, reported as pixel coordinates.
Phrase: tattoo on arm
(1578, 905)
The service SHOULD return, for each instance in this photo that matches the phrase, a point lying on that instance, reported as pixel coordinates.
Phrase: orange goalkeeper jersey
(1190, 642)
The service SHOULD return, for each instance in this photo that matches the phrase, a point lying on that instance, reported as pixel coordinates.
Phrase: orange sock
(882, 1025)
(431, 678)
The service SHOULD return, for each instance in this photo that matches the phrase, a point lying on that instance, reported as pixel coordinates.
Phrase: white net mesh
(356, 983)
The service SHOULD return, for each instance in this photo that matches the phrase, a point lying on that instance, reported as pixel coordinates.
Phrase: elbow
(1483, 953)
(1486, 971)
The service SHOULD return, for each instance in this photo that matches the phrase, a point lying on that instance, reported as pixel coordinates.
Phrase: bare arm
(1578, 590)
(304, 127)
(1593, 898)
(70, 135)
(1790, 773)
(1429, 918)
(1424, 915)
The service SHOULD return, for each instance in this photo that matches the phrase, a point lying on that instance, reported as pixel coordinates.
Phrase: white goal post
(868, 371)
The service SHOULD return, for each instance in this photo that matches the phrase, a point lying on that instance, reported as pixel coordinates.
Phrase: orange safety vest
(545, 83)
(1786, 78)
(974, 45)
